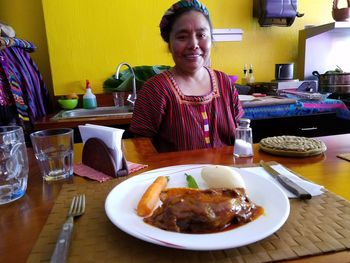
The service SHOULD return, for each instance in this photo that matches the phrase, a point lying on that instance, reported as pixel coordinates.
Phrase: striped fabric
(23, 94)
(16, 91)
(205, 125)
(300, 108)
(6, 42)
(178, 122)
(6, 98)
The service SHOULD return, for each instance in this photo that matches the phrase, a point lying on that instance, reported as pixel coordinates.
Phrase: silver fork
(77, 208)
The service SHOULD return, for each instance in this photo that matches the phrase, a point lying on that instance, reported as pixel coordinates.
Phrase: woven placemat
(287, 145)
(314, 227)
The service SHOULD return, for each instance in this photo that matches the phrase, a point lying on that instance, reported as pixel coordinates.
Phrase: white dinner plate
(122, 201)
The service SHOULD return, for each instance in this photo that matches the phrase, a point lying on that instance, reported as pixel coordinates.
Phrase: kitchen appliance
(272, 88)
(335, 81)
(275, 12)
(284, 71)
(301, 85)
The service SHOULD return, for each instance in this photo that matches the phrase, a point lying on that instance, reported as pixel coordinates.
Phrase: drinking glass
(119, 98)
(13, 164)
(53, 150)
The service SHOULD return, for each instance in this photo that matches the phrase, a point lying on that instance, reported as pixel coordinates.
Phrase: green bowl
(68, 104)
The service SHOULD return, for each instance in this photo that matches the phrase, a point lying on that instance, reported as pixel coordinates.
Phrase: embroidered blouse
(178, 122)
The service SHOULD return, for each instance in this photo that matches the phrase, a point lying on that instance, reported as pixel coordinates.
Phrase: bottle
(244, 139)
(89, 99)
(245, 75)
(251, 78)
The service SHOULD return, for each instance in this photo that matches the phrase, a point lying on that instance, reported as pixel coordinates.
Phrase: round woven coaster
(292, 146)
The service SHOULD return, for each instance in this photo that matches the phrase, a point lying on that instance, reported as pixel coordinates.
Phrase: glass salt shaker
(244, 139)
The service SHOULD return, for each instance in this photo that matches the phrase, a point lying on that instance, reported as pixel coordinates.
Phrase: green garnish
(191, 182)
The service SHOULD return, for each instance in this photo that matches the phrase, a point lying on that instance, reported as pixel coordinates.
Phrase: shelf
(227, 34)
(334, 27)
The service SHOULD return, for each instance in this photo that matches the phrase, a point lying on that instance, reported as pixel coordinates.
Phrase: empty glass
(119, 98)
(13, 164)
(53, 150)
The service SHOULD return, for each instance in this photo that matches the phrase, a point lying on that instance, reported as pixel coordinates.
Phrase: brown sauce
(258, 211)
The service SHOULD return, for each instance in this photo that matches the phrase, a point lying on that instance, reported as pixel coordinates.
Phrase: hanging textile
(23, 95)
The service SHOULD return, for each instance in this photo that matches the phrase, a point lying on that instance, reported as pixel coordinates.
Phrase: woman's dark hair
(171, 19)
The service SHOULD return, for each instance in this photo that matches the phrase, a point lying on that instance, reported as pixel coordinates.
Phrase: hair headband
(177, 7)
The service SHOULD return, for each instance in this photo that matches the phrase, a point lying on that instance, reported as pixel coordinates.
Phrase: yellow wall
(87, 39)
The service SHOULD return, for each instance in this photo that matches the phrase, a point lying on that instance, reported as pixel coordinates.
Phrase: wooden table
(22, 220)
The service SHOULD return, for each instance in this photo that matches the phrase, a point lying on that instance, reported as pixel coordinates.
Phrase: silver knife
(286, 182)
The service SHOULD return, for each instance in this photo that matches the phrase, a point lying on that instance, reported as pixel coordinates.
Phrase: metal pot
(333, 82)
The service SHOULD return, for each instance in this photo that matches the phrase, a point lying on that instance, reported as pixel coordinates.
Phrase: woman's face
(190, 42)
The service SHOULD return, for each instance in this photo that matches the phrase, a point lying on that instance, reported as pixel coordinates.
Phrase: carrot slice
(150, 197)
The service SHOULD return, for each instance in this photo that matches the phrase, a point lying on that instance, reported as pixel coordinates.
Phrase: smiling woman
(189, 106)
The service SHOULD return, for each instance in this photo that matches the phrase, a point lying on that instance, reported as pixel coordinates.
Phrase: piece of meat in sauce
(189, 210)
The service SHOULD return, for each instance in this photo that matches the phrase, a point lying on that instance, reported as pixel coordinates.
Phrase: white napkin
(312, 188)
(112, 137)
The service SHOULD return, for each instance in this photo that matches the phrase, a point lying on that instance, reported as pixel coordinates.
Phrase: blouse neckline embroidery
(187, 99)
